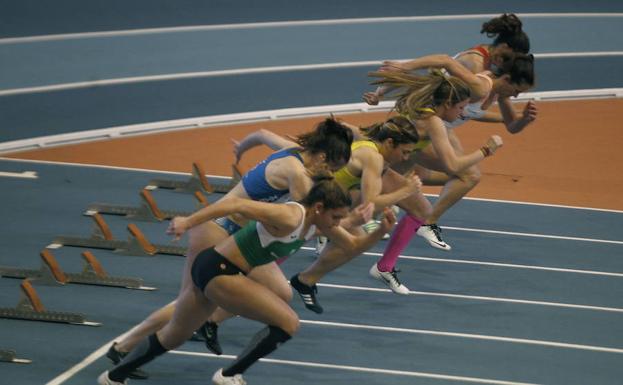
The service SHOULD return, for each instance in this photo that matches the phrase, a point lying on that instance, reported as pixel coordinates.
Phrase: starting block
(203, 201)
(31, 308)
(137, 244)
(197, 182)
(92, 274)
(147, 211)
(9, 356)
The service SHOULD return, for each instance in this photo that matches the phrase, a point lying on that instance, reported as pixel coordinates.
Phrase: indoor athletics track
(530, 294)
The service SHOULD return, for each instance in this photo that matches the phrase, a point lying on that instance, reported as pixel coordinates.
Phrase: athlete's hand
(371, 98)
(237, 152)
(530, 112)
(177, 227)
(392, 65)
(412, 183)
(362, 214)
(494, 143)
(388, 221)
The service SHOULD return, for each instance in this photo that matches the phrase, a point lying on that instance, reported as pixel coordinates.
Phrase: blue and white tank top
(255, 183)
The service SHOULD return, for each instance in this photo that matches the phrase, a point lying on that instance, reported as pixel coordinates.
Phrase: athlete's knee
(290, 323)
(472, 176)
(285, 293)
(283, 290)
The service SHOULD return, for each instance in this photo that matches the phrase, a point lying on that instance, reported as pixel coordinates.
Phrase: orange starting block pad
(197, 182)
(31, 308)
(147, 211)
(137, 243)
(92, 274)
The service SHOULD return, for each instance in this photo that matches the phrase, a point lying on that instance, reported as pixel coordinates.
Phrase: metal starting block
(147, 211)
(197, 182)
(137, 244)
(31, 308)
(92, 274)
(9, 356)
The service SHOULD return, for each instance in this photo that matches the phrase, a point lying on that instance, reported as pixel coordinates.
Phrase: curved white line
(493, 264)
(364, 369)
(248, 71)
(432, 195)
(481, 298)
(300, 23)
(534, 235)
(554, 344)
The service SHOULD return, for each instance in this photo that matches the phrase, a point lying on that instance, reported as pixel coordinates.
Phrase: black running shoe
(307, 294)
(209, 334)
(116, 356)
(197, 336)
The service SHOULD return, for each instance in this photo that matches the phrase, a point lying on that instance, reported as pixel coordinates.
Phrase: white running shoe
(432, 233)
(219, 379)
(103, 379)
(390, 279)
(321, 243)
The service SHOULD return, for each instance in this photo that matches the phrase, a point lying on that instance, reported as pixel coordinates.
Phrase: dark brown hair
(507, 29)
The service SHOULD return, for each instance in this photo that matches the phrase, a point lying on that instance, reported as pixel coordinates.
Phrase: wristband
(486, 151)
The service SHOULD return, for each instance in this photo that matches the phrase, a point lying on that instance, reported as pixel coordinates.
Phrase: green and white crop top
(260, 247)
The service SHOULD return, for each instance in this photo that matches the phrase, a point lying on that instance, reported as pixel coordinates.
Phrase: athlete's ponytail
(330, 137)
(507, 29)
(420, 95)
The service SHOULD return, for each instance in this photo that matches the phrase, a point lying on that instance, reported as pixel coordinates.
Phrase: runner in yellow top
(386, 144)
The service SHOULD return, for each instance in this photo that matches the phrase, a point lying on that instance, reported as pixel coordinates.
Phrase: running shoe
(220, 379)
(432, 233)
(116, 356)
(390, 278)
(307, 294)
(209, 335)
(103, 379)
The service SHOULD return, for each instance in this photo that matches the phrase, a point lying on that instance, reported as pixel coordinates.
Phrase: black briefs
(209, 264)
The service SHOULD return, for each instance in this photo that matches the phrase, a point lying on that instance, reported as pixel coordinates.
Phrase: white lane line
(539, 204)
(494, 264)
(533, 235)
(480, 298)
(24, 174)
(295, 23)
(466, 335)
(104, 167)
(245, 71)
(183, 75)
(560, 55)
(88, 360)
(364, 369)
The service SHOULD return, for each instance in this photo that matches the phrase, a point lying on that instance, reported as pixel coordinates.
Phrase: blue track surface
(583, 308)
